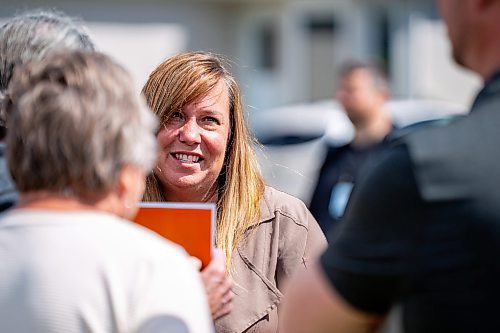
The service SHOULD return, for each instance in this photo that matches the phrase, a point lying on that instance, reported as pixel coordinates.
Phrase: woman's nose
(189, 133)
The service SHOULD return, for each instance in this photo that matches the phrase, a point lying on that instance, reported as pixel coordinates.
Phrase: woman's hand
(218, 285)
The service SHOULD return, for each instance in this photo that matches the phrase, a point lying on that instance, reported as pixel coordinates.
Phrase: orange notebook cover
(191, 225)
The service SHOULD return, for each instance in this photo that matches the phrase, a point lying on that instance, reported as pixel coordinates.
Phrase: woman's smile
(193, 144)
(187, 157)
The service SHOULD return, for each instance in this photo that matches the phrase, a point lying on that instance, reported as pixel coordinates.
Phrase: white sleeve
(169, 296)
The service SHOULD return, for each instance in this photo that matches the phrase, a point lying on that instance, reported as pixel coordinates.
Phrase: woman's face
(192, 147)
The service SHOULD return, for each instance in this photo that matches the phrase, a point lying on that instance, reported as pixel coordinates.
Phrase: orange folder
(191, 225)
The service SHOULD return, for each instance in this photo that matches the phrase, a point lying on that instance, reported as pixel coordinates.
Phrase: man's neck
(372, 132)
(484, 57)
(52, 201)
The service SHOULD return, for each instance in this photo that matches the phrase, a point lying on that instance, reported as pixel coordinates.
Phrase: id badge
(338, 199)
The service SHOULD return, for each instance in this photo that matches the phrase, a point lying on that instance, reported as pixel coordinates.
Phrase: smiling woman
(192, 147)
(206, 155)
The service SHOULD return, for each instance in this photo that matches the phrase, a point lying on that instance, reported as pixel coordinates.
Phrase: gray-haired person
(31, 36)
(79, 146)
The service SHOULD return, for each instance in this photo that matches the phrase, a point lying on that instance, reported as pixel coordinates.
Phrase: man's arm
(312, 305)
(368, 265)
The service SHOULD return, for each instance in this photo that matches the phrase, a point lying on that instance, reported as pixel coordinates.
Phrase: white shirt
(94, 272)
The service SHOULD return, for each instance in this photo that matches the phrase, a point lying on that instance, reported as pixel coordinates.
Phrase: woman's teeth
(187, 158)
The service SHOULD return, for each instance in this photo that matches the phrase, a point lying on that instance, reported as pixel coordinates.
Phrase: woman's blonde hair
(181, 80)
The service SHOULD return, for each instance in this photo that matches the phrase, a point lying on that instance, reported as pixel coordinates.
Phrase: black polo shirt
(337, 177)
(423, 227)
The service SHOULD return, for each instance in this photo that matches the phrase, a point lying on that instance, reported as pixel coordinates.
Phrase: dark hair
(376, 69)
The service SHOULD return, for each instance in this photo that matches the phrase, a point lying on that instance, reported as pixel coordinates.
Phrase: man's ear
(485, 4)
(130, 188)
(122, 185)
(131, 182)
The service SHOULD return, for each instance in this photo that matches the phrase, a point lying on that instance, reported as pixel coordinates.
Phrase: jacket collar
(266, 212)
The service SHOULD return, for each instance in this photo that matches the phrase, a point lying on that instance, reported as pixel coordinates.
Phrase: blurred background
(286, 54)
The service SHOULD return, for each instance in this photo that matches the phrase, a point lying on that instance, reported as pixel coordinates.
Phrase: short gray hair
(75, 119)
(31, 36)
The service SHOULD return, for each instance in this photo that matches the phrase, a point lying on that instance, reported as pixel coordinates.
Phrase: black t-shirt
(394, 246)
(422, 227)
(336, 180)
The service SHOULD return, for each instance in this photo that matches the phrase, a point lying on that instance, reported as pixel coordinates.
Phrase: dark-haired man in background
(363, 92)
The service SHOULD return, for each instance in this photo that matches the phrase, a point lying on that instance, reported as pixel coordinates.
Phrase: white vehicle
(294, 137)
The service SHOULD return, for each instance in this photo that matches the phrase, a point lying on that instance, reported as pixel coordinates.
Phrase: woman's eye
(175, 117)
(212, 120)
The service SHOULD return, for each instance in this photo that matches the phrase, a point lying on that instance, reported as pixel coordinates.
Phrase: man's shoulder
(391, 161)
(437, 140)
(425, 128)
(442, 153)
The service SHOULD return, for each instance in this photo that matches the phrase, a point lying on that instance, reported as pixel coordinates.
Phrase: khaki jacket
(286, 239)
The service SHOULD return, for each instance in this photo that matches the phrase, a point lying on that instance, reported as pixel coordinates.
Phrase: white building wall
(421, 65)
(435, 75)
(140, 34)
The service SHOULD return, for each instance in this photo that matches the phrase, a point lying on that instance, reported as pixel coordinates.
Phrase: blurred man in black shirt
(363, 92)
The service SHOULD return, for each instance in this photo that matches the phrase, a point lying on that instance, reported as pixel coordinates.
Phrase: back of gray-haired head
(33, 35)
(376, 70)
(75, 120)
